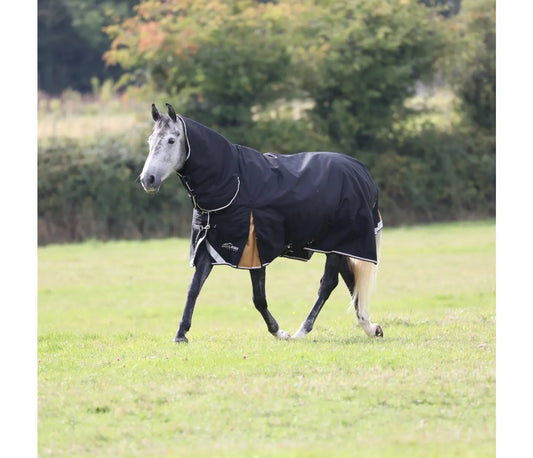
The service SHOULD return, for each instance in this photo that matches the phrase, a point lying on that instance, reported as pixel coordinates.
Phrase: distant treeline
(71, 40)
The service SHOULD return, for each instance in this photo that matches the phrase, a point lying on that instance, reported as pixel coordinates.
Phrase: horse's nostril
(151, 179)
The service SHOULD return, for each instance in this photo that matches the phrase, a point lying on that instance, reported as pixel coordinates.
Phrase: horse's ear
(155, 113)
(171, 112)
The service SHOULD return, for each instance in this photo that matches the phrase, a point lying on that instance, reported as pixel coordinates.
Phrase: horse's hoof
(282, 335)
(181, 339)
(379, 331)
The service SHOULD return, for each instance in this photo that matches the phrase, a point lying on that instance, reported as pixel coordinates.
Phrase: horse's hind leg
(329, 281)
(360, 277)
(347, 274)
(201, 272)
(260, 302)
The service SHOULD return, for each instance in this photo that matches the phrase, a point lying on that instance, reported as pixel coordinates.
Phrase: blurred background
(406, 86)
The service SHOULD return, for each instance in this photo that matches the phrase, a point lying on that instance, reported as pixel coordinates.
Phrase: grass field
(112, 383)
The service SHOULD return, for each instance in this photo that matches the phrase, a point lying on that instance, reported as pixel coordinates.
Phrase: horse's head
(168, 151)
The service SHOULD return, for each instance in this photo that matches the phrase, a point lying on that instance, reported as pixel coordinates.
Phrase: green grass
(112, 383)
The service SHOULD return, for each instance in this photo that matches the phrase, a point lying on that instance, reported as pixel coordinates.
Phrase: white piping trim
(224, 206)
(378, 227)
(193, 257)
(293, 257)
(224, 263)
(186, 136)
(340, 252)
(195, 203)
(220, 261)
(214, 254)
(238, 267)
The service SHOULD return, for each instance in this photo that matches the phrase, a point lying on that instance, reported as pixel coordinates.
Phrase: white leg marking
(283, 335)
(365, 281)
(300, 334)
(369, 328)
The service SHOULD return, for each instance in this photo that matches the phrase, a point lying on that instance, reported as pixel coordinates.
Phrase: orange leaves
(154, 9)
(185, 42)
(216, 7)
(150, 36)
(149, 9)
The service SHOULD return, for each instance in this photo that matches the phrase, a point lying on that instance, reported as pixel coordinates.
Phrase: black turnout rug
(283, 205)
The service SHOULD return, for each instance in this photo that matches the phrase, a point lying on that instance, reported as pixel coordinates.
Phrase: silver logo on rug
(230, 246)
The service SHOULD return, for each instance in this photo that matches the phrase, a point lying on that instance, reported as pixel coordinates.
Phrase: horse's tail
(365, 273)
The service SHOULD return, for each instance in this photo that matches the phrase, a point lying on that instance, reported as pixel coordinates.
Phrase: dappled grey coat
(301, 203)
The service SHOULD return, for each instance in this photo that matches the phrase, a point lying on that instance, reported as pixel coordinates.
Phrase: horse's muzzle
(150, 183)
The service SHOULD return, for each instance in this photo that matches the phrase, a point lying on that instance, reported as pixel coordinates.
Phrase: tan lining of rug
(250, 255)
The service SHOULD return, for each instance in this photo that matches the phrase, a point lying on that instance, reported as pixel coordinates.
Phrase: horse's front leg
(202, 270)
(260, 302)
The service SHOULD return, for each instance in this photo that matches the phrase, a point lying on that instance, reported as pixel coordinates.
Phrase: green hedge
(92, 191)
(435, 176)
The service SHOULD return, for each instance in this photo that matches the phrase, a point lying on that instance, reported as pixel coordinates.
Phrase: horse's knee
(330, 279)
(331, 283)
(327, 285)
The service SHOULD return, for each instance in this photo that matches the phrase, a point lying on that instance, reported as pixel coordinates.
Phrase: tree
(367, 57)
(217, 59)
(71, 41)
(61, 59)
(471, 63)
(445, 7)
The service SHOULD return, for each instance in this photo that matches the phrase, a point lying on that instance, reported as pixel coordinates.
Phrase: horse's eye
(171, 140)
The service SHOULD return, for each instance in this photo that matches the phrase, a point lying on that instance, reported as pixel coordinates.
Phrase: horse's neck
(210, 155)
(212, 165)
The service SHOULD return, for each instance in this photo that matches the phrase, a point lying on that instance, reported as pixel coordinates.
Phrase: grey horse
(249, 208)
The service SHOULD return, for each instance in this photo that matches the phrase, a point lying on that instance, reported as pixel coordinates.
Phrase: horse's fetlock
(181, 339)
(282, 335)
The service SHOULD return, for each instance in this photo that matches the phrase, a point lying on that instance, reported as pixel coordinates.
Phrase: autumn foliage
(215, 59)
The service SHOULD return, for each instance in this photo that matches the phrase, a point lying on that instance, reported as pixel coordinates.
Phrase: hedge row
(437, 176)
(93, 192)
